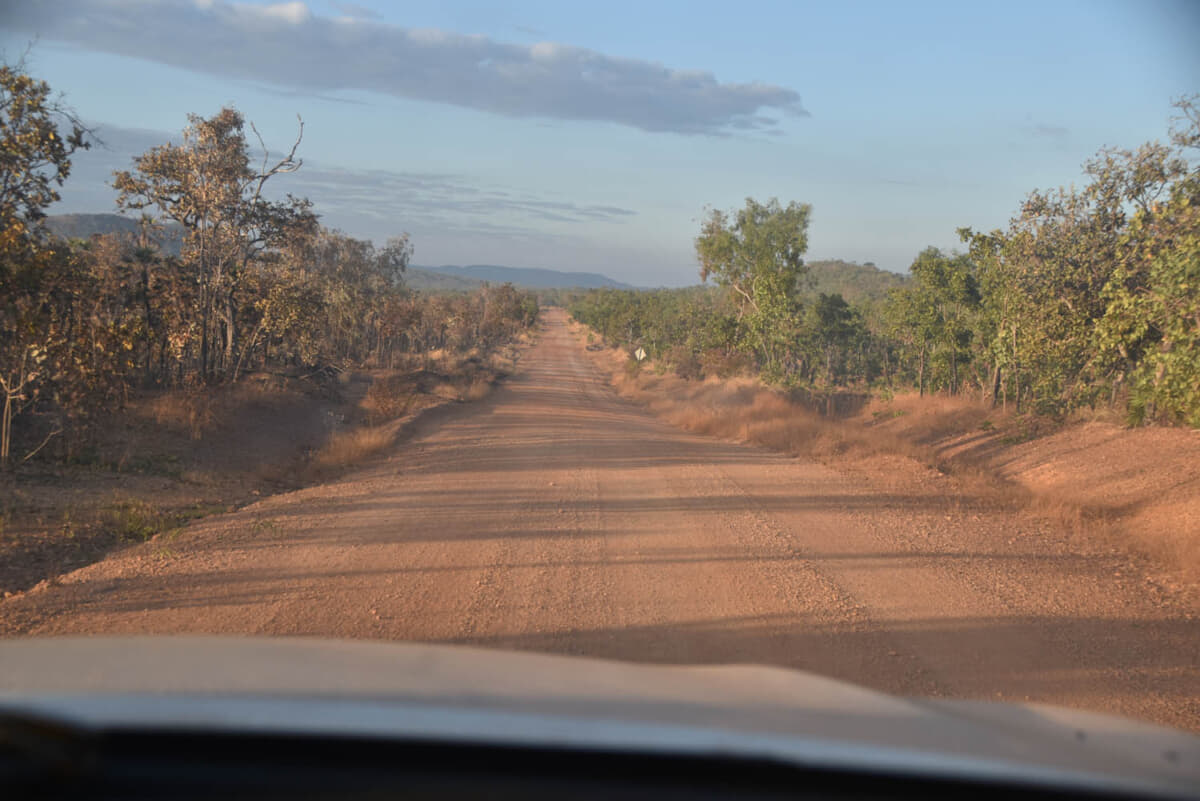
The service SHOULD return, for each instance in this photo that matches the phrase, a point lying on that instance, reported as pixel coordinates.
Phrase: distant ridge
(426, 280)
(857, 283)
(447, 277)
(529, 277)
(83, 226)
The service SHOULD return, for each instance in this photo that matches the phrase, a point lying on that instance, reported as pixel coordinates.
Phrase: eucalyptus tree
(209, 185)
(38, 136)
(1150, 331)
(757, 253)
(1071, 312)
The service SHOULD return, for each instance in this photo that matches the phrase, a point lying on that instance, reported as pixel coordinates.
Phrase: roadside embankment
(173, 456)
(1135, 489)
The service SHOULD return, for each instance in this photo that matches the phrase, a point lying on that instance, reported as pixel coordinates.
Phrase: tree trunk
(921, 372)
(6, 427)
(149, 327)
(230, 319)
(204, 322)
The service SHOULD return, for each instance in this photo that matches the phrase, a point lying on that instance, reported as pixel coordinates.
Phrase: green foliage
(757, 253)
(698, 331)
(138, 521)
(860, 284)
(933, 317)
(835, 332)
(1089, 296)
(1150, 332)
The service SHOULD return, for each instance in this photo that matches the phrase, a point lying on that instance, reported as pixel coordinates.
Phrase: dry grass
(1063, 474)
(197, 411)
(921, 431)
(744, 410)
(477, 390)
(346, 448)
(185, 410)
(177, 454)
(134, 520)
(931, 418)
(394, 397)
(387, 398)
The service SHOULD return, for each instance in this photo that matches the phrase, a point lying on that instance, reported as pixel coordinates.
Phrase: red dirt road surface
(555, 516)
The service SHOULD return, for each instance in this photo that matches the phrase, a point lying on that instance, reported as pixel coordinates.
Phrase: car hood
(473, 695)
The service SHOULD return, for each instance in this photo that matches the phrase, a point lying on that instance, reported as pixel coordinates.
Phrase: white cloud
(355, 11)
(293, 13)
(287, 45)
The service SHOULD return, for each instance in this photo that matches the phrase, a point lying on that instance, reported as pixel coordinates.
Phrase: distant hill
(529, 277)
(83, 226)
(857, 283)
(425, 280)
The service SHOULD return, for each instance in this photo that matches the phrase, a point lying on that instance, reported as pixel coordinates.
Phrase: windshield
(858, 339)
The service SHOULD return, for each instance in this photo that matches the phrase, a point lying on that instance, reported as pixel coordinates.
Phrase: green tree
(1066, 262)
(934, 315)
(757, 253)
(836, 329)
(1150, 331)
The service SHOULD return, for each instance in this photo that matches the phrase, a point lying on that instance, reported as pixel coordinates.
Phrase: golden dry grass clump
(1064, 472)
(355, 445)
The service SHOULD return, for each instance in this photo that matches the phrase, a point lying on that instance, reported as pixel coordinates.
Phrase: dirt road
(555, 516)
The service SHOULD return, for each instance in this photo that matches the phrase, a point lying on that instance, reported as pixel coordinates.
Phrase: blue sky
(591, 136)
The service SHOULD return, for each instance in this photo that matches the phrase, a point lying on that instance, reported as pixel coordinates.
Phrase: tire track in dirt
(556, 516)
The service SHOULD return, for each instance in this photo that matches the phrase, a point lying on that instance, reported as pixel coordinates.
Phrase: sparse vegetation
(353, 446)
(236, 283)
(135, 520)
(984, 455)
(1088, 300)
(197, 357)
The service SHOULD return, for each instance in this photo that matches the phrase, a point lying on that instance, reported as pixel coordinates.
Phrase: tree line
(257, 282)
(1089, 297)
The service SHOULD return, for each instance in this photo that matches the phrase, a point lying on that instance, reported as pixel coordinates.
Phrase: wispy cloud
(356, 11)
(371, 203)
(1050, 131)
(439, 199)
(287, 45)
(530, 31)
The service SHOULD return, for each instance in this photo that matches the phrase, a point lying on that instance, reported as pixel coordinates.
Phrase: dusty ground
(1140, 485)
(162, 459)
(555, 516)
(170, 457)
